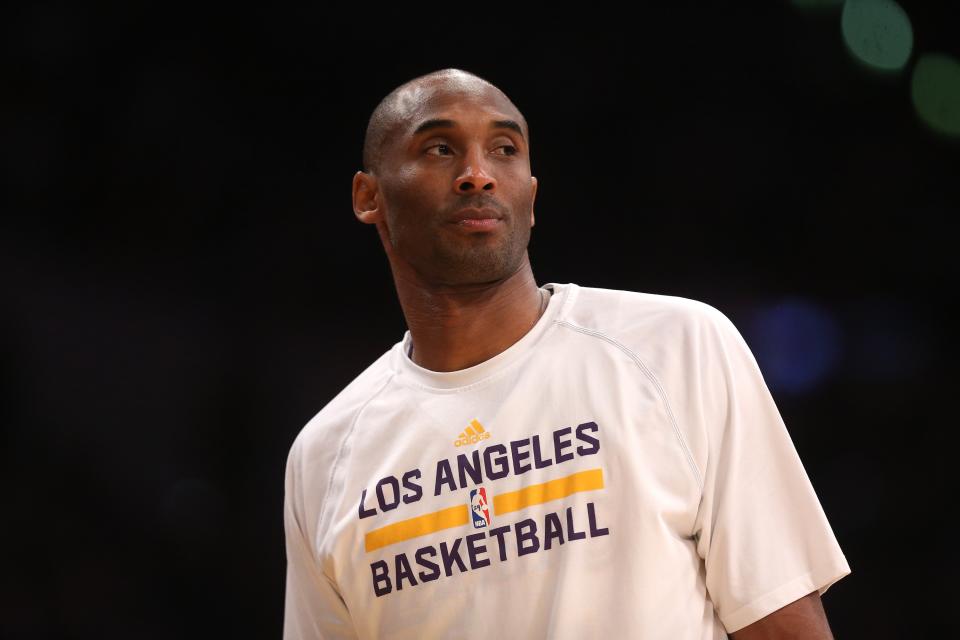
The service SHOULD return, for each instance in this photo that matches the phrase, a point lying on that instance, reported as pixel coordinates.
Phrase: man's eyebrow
(440, 123)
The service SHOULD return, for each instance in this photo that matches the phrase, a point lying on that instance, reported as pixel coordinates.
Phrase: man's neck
(454, 327)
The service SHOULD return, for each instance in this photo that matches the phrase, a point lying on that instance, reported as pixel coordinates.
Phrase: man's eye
(437, 146)
(444, 149)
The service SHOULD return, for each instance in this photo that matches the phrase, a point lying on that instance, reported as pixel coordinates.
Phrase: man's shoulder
(334, 419)
(673, 337)
(620, 312)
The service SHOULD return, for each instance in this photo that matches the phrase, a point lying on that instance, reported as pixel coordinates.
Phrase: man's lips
(476, 213)
(483, 218)
(480, 223)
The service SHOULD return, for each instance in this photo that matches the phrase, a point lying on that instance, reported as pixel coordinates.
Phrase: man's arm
(760, 528)
(803, 619)
(313, 606)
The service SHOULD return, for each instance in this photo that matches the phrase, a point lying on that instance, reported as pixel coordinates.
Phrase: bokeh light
(796, 343)
(878, 33)
(935, 89)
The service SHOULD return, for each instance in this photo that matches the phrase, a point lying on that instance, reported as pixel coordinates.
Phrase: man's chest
(439, 491)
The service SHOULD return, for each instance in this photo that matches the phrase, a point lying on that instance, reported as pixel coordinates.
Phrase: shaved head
(396, 108)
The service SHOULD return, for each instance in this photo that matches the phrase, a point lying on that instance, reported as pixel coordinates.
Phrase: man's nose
(475, 175)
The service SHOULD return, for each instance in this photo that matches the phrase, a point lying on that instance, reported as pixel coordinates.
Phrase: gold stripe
(459, 515)
(420, 526)
(589, 480)
(476, 425)
(470, 432)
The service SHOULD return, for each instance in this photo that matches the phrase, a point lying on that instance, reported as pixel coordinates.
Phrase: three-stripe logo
(472, 434)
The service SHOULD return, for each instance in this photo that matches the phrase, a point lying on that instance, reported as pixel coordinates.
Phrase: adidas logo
(472, 434)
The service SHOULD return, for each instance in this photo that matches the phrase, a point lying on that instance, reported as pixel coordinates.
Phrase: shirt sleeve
(760, 528)
(313, 606)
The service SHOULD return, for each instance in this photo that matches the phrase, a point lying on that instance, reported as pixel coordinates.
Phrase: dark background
(184, 283)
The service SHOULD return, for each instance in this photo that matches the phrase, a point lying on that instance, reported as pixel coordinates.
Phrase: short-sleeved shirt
(621, 471)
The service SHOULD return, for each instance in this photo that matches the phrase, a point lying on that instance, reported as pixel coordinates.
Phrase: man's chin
(475, 267)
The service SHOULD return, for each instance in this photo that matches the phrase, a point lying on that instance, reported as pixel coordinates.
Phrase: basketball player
(553, 461)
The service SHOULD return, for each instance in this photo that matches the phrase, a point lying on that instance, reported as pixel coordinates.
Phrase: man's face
(456, 149)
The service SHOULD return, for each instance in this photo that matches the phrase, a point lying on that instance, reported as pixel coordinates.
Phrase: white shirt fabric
(637, 481)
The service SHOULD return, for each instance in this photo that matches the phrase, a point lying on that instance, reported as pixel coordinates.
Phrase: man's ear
(533, 197)
(366, 198)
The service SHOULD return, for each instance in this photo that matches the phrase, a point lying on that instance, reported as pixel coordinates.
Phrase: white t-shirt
(621, 471)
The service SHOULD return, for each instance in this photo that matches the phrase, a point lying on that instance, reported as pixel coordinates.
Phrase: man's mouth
(481, 218)
(480, 223)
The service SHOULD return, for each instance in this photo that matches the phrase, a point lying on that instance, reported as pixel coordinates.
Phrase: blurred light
(935, 89)
(796, 343)
(878, 33)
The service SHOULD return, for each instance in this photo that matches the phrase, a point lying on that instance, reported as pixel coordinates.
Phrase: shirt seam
(410, 382)
(656, 383)
(321, 530)
(570, 295)
(752, 608)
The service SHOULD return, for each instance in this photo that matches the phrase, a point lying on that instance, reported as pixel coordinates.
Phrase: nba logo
(478, 506)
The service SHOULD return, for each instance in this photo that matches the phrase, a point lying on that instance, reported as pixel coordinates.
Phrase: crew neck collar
(448, 380)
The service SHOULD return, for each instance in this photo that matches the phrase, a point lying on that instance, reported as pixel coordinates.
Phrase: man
(537, 462)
